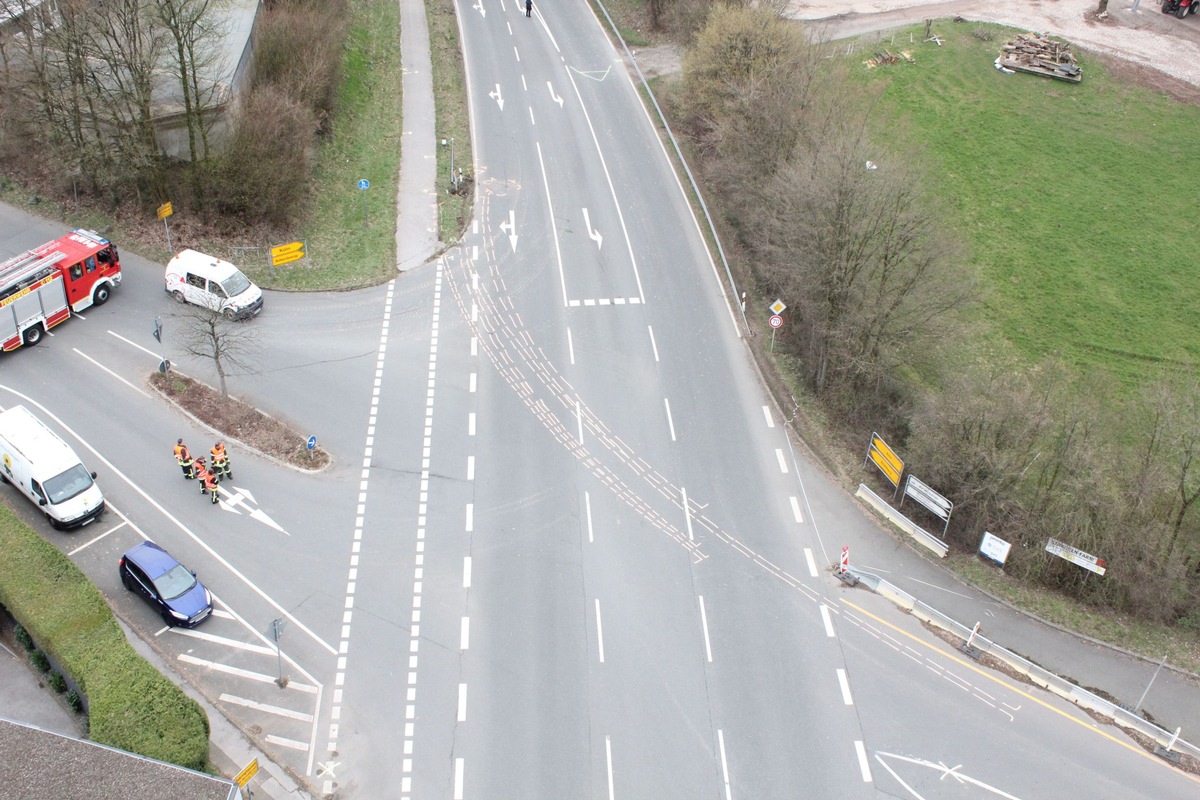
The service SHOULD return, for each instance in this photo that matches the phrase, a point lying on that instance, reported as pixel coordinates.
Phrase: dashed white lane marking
(470, 468)
(608, 760)
(587, 506)
(471, 424)
(724, 764)
(812, 562)
(827, 620)
(767, 414)
(464, 634)
(796, 509)
(570, 346)
(782, 461)
(266, 708)
(670, 422)
(458, 779)
(470, 517)
(605, 301)
(844, 683)
(599, 631)
(704, 625)
(473, 383)
(466, 572)
(462, 702)
(653, 344)
(863, 764)
(687, 514)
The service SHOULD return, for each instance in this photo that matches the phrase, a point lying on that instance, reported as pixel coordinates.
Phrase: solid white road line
(724, 764)
(234, 643)
(827, 620)
(599, 631)
(244, 673)
(110, 372)
(704, 625)
(845, 684)
(462, 702)
(862, 761)
(269, 709)
(670, 422)
(292, 743)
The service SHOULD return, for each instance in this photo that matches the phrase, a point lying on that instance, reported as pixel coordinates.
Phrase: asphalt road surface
(565, 549)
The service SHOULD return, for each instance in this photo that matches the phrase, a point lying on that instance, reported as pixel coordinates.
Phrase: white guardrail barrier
(1166, 740)
(902, 522)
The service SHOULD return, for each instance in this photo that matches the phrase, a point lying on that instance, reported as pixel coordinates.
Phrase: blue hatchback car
(167, 585)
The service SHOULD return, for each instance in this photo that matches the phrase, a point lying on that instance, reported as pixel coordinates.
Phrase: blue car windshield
(175, 582)
(63, 487)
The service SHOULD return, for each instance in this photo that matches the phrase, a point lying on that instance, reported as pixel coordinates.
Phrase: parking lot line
(208, 637)
(87, 544)
(282, 742)
(270, 709)
(244, 673)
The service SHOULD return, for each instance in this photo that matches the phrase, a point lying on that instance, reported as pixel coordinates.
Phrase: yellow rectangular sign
(248, 772)
(284, 249)
(886, 459)
(286, 258)
(165, 210)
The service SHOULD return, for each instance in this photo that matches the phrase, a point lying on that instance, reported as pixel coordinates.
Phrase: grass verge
(453, 122)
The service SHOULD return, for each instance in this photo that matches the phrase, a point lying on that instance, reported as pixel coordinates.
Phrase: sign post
(276, 632)
(248, 772)
(165, 211)
(363, 185)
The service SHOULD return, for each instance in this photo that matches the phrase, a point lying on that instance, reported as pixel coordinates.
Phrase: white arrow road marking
(479, 7)
(497, 97)
(238, 497)
(510, 228)
(554, 96)
(594, 235)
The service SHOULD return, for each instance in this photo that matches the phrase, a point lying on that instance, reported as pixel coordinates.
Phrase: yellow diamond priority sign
(777, 307)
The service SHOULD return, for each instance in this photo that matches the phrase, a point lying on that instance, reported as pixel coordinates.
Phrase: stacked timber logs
(1041, 55)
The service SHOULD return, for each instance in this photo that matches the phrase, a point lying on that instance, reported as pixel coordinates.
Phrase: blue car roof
(152, 559)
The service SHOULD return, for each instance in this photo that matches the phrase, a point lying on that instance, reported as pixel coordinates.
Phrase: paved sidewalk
(23, 698)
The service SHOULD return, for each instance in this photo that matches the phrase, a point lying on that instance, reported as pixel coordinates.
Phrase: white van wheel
(228, 313)
(178, 295)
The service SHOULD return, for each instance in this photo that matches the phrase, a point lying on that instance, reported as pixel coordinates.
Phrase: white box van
(46, 470)
(194, 277)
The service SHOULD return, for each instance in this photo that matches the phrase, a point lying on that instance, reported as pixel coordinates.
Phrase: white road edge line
(863, 764)
(845, 685)
(599, 631)
(724, 764)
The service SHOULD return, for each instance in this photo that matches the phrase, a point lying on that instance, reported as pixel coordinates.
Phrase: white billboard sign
(1077, 557)
(995, 548)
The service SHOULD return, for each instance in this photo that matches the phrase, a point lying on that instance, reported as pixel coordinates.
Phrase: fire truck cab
(40, 288)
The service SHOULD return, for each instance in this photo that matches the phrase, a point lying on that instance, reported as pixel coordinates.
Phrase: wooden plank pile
(1041, 55)
(888, 57)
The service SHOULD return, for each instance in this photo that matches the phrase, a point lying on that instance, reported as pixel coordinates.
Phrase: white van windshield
(235, 284)
(63, 487)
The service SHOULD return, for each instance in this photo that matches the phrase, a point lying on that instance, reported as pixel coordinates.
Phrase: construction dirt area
(1142, 46)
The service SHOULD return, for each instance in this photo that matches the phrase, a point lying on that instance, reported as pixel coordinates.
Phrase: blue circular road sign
(312, 442)
(364, 184)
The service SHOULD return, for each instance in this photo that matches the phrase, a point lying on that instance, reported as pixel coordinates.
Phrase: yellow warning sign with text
(287, 253)
(165, 210)
(248, 772)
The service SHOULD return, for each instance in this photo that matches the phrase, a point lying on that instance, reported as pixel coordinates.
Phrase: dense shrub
(298, 50)
(132, 706)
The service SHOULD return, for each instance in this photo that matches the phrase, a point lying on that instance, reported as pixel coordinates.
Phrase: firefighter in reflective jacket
(184, 459)
(220, 462)
(210, 485)
(202, 473)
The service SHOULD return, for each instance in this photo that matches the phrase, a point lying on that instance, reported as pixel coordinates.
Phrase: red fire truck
(40, 288)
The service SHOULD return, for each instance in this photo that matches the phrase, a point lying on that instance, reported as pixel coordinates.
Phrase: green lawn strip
(351, 234)
(1072, 198)
(453, 124)
(131, 705)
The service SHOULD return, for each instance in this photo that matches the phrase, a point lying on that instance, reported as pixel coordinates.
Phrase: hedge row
(130, 704)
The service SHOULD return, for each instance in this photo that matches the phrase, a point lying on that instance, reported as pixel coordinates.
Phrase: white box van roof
(202, 264)
(38, 444)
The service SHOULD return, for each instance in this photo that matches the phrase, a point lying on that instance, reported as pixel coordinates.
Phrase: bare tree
(207, 333)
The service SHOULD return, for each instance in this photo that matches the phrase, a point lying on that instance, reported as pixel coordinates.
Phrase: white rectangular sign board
(994, 547)
(1077, 557)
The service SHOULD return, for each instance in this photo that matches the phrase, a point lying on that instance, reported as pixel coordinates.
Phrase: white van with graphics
(46, 470)
(193, 277)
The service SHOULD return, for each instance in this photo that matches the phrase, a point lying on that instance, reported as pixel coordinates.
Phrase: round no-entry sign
(776, 321)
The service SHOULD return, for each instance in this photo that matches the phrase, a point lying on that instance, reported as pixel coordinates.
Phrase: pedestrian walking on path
(220, 462)
(529, 8)
(184, 459)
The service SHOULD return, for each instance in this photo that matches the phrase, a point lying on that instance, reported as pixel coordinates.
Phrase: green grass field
(1077, 201)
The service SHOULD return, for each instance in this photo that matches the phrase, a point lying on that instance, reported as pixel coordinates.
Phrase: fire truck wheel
(100, 296)
(178, 295)
(33, 335)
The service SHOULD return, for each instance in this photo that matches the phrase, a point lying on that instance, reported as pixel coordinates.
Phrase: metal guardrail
(1039, 676)
(902, 522)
